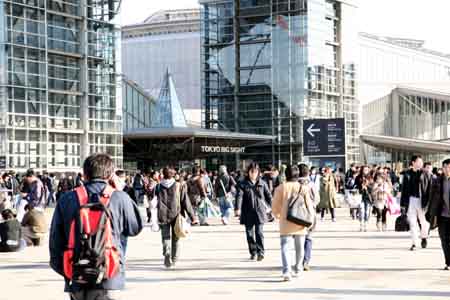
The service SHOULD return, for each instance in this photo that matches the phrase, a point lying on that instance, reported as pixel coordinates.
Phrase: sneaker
(174, 262)
(333, 220)
(224, 221)
(295, 271)
(260, 257)
(306, 268)
(167, 261)
(253, 257)
(287, 277)
(424, 243)
(413, 248)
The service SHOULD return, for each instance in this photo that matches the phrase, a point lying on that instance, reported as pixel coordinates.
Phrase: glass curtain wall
(47, 71)
(137, 107)
(291, 64)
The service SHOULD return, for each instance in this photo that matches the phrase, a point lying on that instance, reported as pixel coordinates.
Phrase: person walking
(292, 189)
(364, 183)
(328, 194)
(37, 195)
(381, 191)
(438, 214)
(414, 200)
(125, 221)
(197, 195)
(223, 187)
(138, 187)
(253, 201)
(172, 201)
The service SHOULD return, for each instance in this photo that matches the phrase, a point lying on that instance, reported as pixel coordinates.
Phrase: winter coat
(126, 221)
(425, 183)
(436, 202)
(228, 184)
(327, 192)
(283, 194)
(381, 193)
(253, 200)
(168, 207)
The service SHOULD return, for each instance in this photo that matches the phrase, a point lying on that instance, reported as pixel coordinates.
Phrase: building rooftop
(412, 44)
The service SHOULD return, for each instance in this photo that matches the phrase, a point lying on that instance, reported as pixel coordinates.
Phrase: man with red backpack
(86, 231)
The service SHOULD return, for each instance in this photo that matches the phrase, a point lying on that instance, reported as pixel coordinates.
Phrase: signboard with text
(324, 137)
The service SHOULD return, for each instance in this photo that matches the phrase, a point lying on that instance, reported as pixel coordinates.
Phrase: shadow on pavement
(354, 292)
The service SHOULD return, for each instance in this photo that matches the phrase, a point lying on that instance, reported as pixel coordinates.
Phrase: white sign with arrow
(311, 130)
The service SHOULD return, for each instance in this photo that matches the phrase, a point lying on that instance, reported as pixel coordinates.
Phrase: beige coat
(280, 207)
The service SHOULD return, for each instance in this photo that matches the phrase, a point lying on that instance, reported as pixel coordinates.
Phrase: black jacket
(425, 182)
(10, 231)
(253, 200)
(436, 201)
(228, 184)
(168, 208)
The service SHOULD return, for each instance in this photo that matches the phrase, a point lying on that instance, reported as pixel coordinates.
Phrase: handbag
(182, 227)
(393, 206)
(402, 224)
(299, 211)
(228, 196)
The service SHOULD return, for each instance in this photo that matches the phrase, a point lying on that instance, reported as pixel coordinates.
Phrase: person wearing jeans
(222, 188)
(296, 187)
(364, 184)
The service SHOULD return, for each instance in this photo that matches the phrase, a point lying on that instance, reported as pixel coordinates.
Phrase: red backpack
(97, 258)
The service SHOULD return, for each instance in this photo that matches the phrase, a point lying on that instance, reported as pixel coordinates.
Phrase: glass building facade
(269, 64)
(407, 113)
(137, 106)
(59, 95)
(166, 40)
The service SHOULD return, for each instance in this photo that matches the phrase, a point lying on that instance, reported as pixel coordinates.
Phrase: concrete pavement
(214, 264)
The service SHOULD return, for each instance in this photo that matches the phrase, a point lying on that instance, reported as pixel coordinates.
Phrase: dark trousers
(92, 295)
(381, 215)
(308, 250)
(444, 234)
(170, 241)
(255, 238)
(322, 214)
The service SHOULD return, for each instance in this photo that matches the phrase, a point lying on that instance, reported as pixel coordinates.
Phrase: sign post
(324, 140)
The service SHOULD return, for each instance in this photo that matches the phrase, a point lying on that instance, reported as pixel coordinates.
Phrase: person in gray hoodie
(169, 207)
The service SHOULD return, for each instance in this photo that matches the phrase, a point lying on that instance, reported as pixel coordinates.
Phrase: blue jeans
(364, 211)
(286, 255)
(225, 207)
(308, 249)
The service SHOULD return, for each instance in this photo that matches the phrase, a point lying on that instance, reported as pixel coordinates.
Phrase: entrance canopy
(172, 145)
(405, 144)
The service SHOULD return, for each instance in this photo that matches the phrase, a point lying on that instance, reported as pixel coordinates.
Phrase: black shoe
(204, 224)
(260, 257)
(424, 243)
(306, 267)
(253, 257)
(413, 248)
(446, 268)
(167, 262)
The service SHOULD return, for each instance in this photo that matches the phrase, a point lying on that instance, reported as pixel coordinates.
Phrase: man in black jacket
(414, 200)
(439, 210)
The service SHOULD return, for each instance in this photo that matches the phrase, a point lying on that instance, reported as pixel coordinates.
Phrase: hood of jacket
(168, 183)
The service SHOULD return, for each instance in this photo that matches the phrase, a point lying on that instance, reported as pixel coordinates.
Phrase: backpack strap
(82, 195)
(106, 194)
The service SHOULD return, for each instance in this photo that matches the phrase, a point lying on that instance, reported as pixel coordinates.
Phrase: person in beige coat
(290, 231)
(328, 194)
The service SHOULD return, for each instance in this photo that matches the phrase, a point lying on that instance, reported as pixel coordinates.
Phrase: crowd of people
(298, 196)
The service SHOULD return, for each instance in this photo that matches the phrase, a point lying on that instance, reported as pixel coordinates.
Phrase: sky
(416, 19)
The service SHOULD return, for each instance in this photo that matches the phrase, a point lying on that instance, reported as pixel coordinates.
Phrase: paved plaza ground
(214, 264)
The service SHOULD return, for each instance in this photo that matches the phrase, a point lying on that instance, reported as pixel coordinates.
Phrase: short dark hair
(414, 158)
(30, 173)
(446, 162)
(98, 166)
(427, 164)
(292, 173)
(120, 173)
(304, 170)
(8, 214)
(168, 173)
